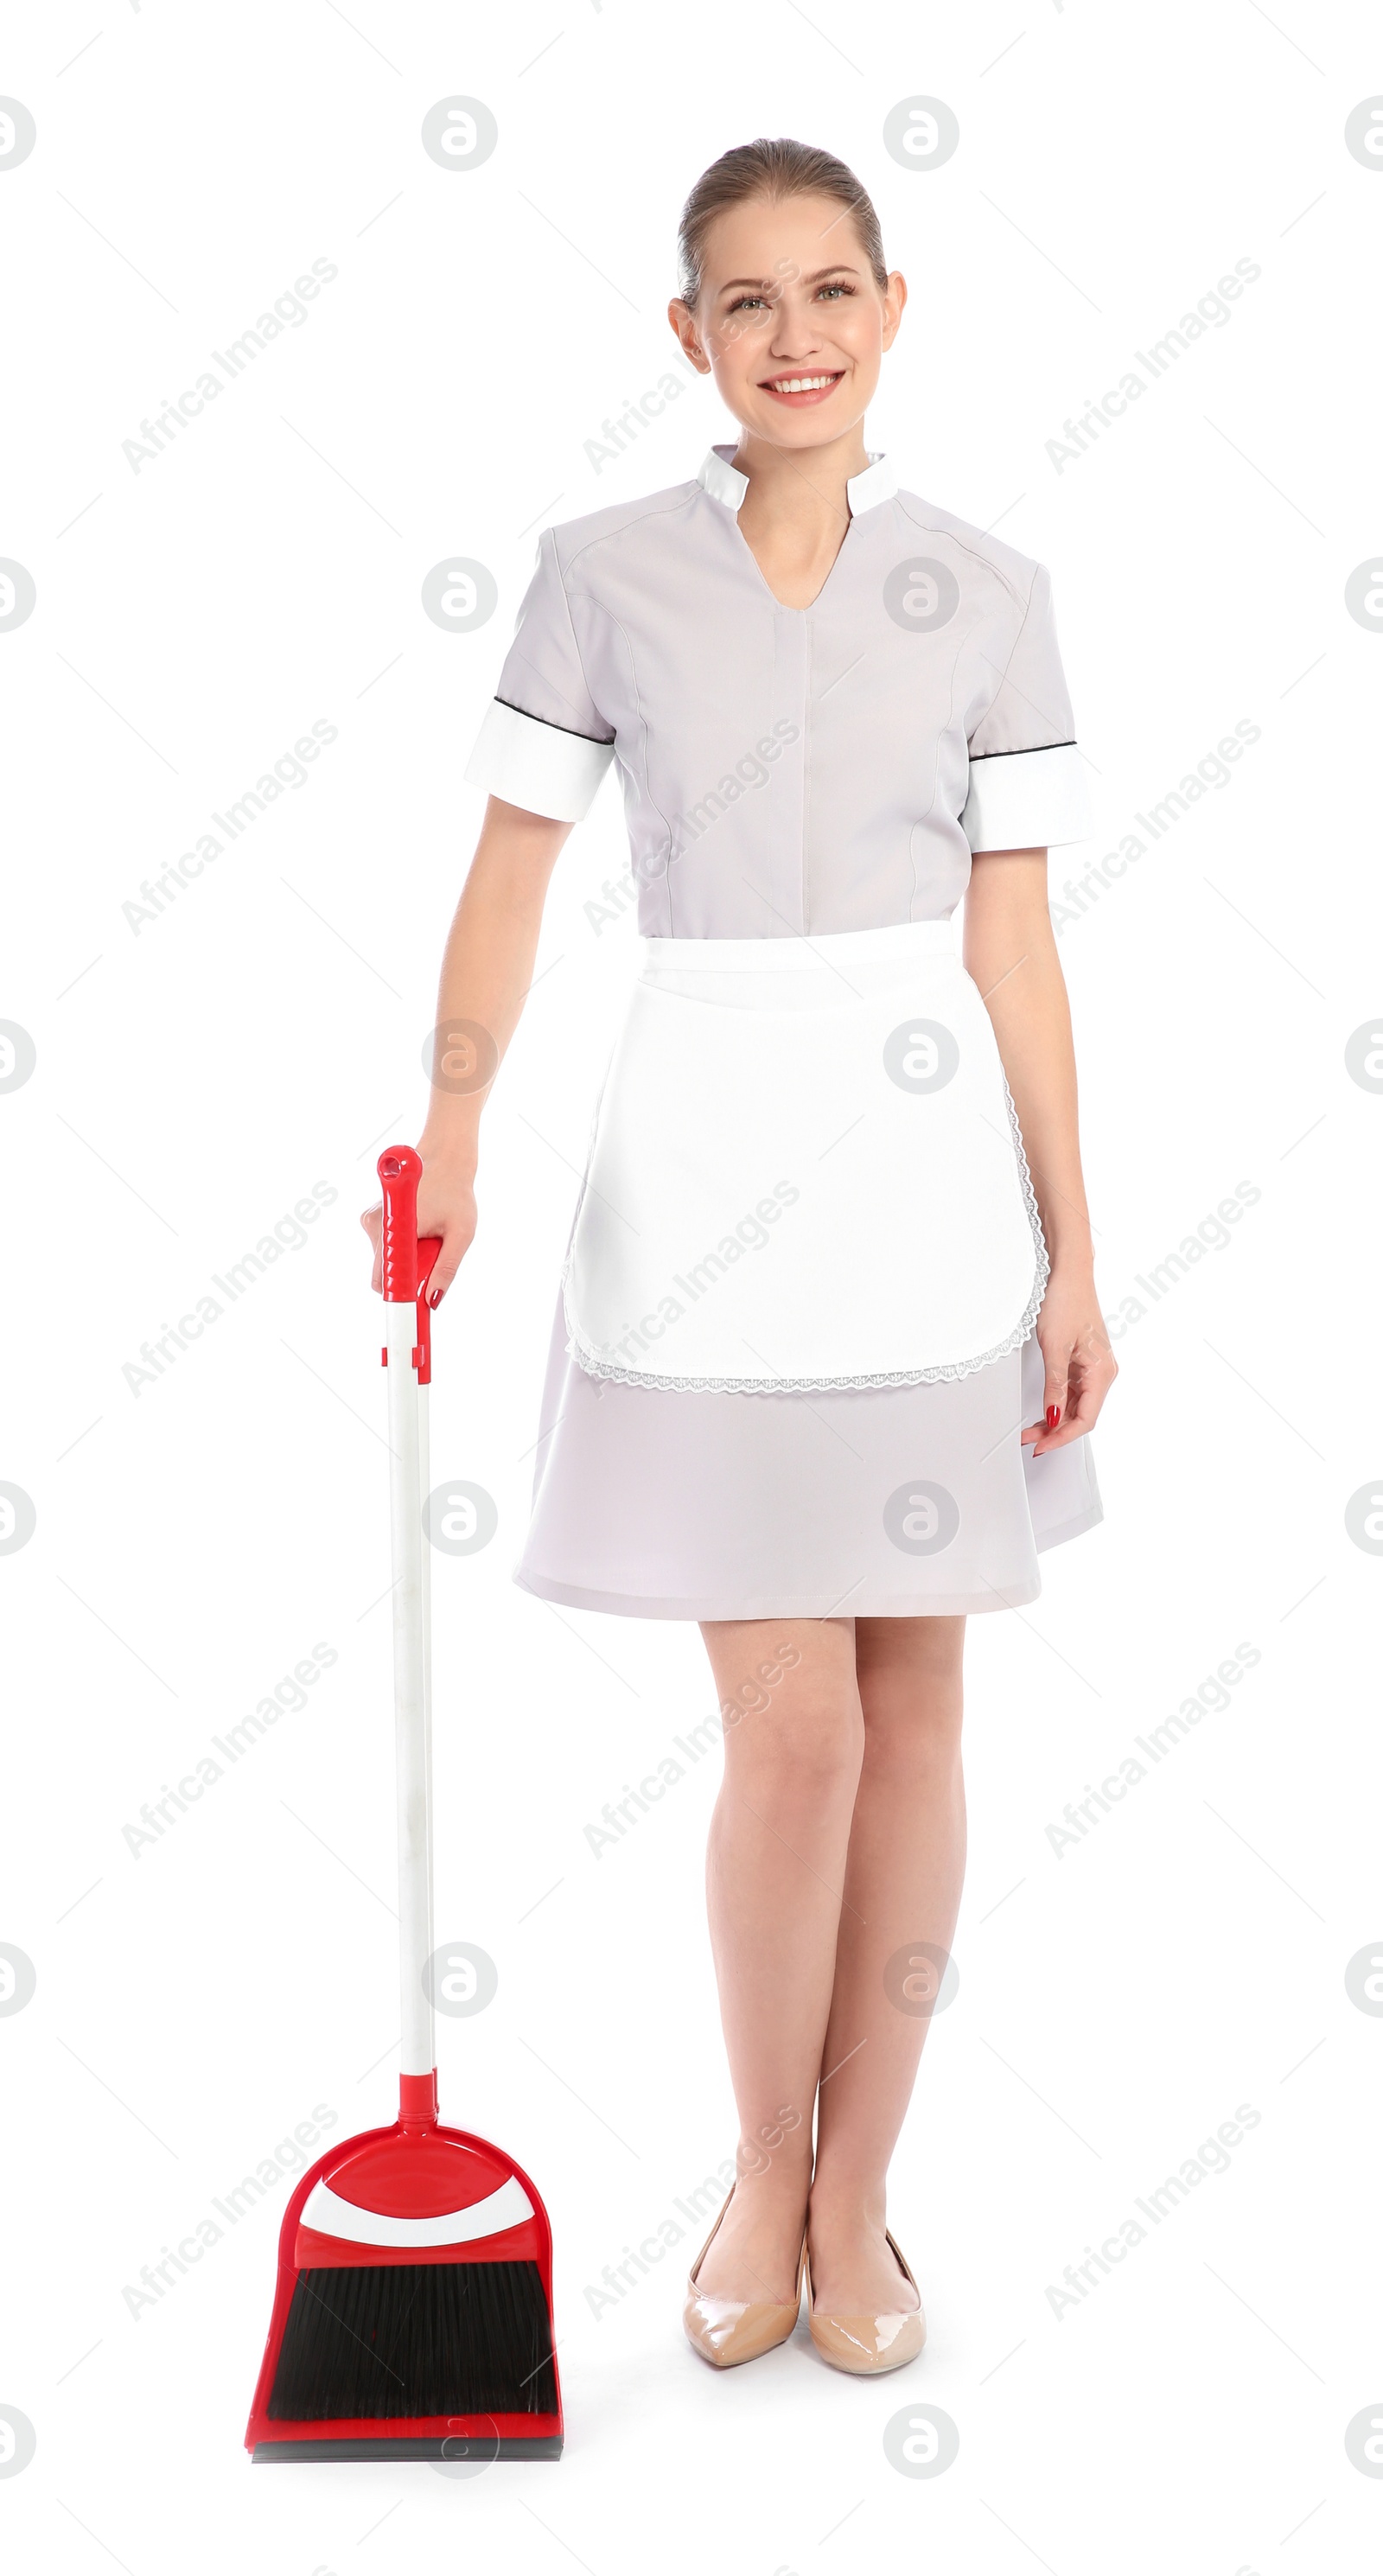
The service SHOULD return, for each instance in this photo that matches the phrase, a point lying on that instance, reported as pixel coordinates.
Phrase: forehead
(768, 238)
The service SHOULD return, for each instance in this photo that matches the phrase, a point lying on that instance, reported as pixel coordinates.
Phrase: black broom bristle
(392, 2340)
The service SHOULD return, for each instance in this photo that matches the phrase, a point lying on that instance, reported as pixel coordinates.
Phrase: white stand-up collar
(725, 482)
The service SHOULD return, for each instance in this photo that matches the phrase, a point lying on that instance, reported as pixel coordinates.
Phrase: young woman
(828, 1346)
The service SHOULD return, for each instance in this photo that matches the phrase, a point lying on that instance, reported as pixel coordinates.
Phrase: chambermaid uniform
(794, 1345)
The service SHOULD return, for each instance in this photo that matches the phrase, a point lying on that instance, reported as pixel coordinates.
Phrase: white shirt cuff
(1027, 800)
(539, 766)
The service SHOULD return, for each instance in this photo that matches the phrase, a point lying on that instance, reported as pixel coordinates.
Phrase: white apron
(805, 1171)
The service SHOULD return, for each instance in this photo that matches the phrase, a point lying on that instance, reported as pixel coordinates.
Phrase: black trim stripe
(604, 740)
(1021, 755)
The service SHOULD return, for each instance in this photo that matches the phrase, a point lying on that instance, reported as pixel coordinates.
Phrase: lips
(804, 387)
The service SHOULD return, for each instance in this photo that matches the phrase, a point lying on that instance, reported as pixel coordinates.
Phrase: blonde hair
(773, 170)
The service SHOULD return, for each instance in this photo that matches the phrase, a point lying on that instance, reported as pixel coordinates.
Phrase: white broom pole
(399, 1172)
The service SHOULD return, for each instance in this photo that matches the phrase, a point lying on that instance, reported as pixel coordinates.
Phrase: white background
(196, 1539)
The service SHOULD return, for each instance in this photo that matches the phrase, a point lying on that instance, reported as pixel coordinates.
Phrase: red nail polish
(1053, 1416)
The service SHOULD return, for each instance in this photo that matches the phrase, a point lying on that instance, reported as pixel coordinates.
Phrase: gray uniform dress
(786, 773)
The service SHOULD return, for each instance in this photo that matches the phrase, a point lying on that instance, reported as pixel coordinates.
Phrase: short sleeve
(544, 743)
(1027, 779)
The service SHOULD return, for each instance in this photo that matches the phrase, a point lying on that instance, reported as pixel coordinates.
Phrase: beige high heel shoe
(726, 2331)
(865, 2344)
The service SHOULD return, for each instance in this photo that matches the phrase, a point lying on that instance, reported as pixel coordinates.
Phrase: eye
(742, 302)
(837, 286)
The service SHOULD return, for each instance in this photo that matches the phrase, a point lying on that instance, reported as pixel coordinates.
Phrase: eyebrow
(838, 268)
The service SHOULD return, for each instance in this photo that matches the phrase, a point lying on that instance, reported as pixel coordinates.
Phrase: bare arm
(1010, 950)
(487, 968)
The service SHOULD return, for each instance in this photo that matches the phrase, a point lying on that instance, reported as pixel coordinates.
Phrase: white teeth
(800, 384)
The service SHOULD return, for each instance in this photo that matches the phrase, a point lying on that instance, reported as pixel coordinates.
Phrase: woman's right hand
(446, 1206)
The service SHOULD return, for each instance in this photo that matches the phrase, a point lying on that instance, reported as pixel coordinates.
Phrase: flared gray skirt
(877, 1502)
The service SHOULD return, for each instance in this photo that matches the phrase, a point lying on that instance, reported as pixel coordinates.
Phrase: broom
(413, 2315)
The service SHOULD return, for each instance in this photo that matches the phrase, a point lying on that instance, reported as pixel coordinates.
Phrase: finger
(456, 1243)
(1089, 1384)
(1087, 1402)
(372, 1219)
(1055, 1400)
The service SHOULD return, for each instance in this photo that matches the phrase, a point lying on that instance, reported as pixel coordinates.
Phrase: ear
(683, 325)
(895, 297)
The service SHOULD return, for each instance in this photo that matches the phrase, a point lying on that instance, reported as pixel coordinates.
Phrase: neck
(804, 484)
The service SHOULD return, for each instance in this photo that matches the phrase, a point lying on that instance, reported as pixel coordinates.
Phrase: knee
(907, 1737)
(806, 1752)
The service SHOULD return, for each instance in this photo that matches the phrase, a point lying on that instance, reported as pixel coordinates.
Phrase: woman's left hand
(1080, 1366)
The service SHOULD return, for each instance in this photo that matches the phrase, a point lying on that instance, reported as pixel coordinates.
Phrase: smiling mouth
(802, 387)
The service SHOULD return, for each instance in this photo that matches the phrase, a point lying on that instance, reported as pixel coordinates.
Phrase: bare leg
(903, 1877)
(775, 1866)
